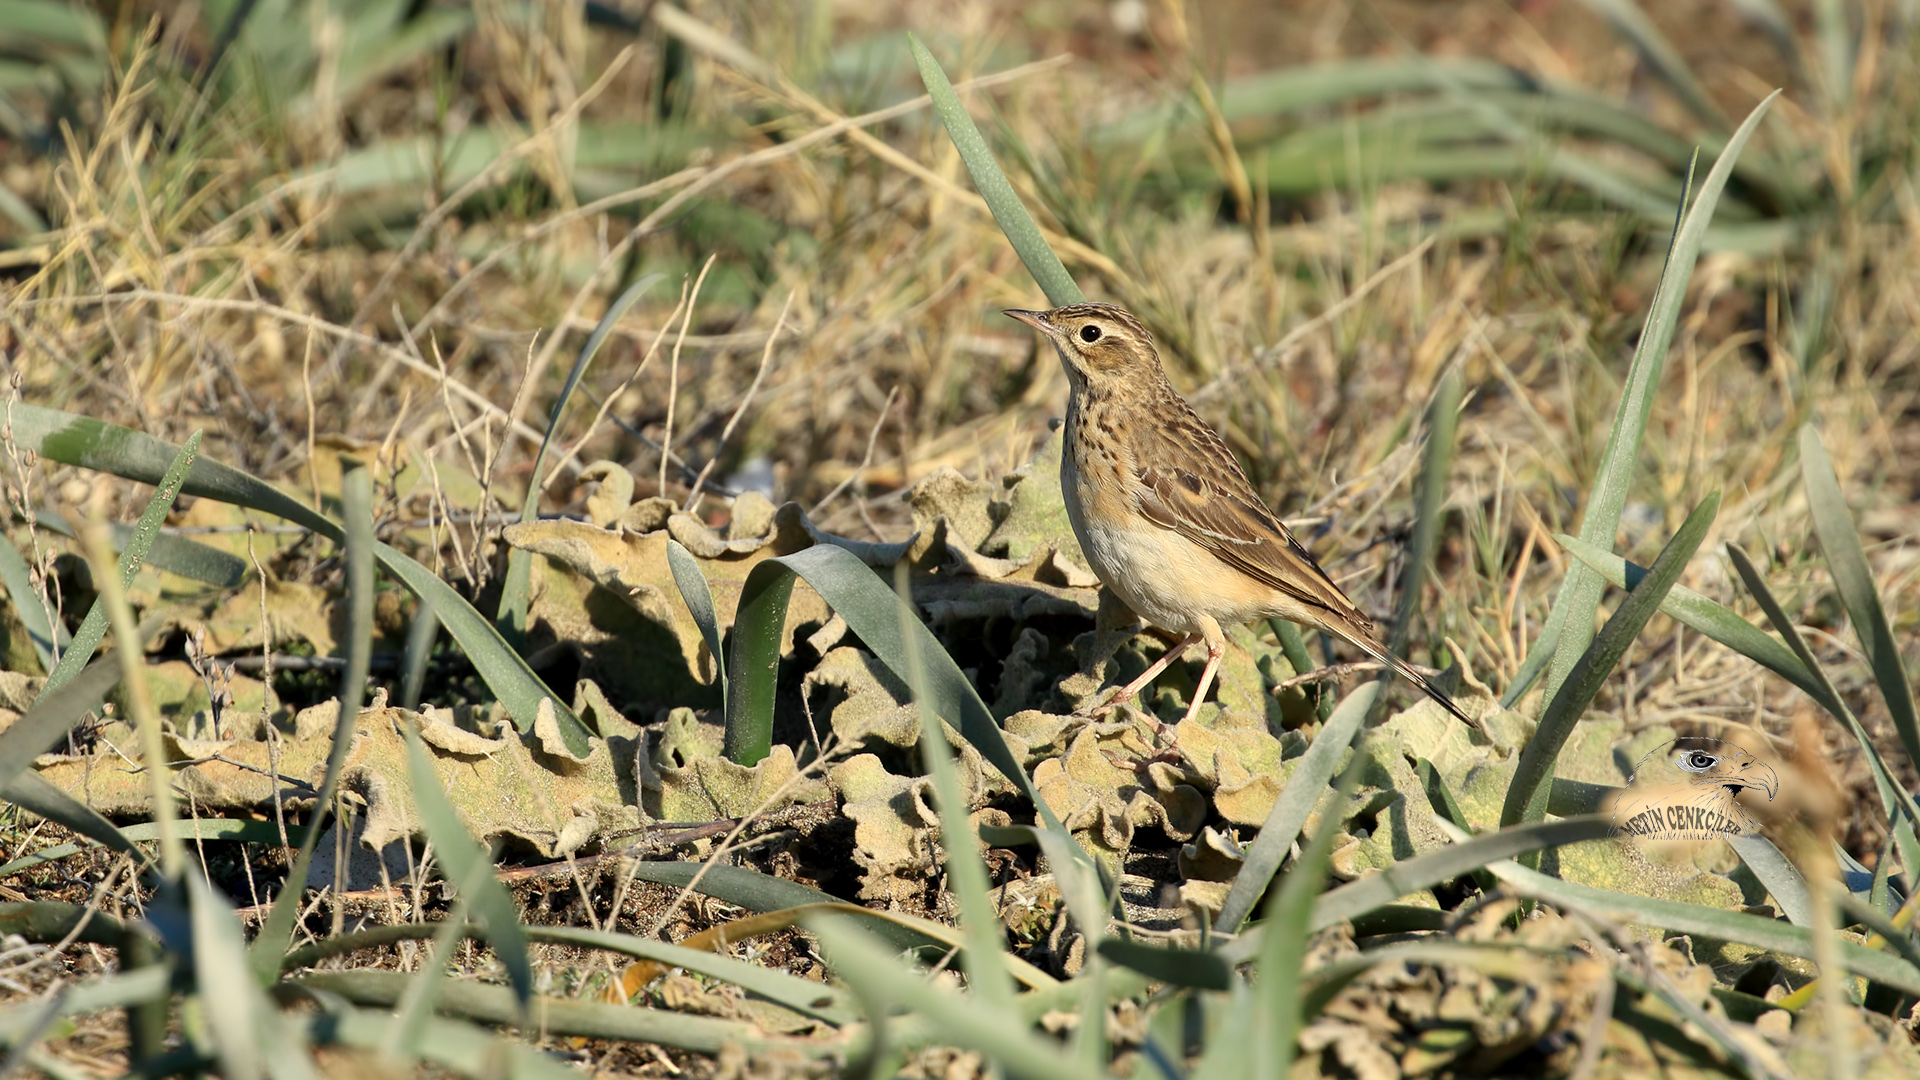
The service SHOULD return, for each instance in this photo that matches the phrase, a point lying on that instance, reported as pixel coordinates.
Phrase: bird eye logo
(1688, 789)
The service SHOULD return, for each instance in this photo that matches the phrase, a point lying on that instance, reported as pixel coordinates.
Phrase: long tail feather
(1373, 648)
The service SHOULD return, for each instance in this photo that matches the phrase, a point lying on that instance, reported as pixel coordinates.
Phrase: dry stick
(873, 437)
(673, 377)
(606, 403)
(752, 388)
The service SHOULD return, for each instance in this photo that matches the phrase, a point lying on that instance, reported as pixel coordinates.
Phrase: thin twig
(873, 437)
(673, 371)
(752, 388)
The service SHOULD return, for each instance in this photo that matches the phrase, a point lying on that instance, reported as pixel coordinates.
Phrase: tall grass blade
(1533, 774)
(53, 714)
(699, 600)
(1682, 918)
(1376, 891)
(174, 554)
(94, 626)
(1840, 543)
(471, 1051)
(864, 601)
(1781, 877)
(1697, 612)
(966, 873)
(1008, 212)
(245, 1025)
(417, 657)
(1901, 810)
(1307, 787)
(32, 792)
(963, 1020)
(1570, 621)
(1283, 946)
(356, 501)
(33, 614)
(470, 865)
(92, 444)
(516, 587)
(1443, 425)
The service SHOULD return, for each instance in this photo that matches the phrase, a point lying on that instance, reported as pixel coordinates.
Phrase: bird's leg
(1216, 649)
(1128, 691)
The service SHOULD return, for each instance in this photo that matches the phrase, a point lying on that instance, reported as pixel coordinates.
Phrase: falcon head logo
(1688, 789)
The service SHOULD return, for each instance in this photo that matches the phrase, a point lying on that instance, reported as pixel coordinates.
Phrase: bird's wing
(1191, 485)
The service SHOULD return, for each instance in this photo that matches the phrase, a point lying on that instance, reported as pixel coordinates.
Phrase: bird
(1688, 787)
(1167, 518)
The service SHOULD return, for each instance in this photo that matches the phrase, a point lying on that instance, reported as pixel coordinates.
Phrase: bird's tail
(1372, 647)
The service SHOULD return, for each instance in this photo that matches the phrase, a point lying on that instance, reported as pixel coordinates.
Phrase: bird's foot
(1108, 707)
(1164, 747)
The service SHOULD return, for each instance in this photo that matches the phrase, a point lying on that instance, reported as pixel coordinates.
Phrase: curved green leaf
(1303, 791)
(1008, 212)
(858, 595)
(93, 444)
(1570, 620)
(516, 587)
(94, 627)
(18, 580)
(699, 600)
(1533, 774)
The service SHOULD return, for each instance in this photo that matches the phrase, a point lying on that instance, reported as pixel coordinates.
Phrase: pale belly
(1166, 579)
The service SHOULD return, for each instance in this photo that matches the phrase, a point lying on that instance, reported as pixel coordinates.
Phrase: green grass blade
(1283, 946)
(992, 184)
(1682, 918)
(1781, 877)
(174, 554)
(37, 729)
(1697, 612)
(1379, 890)
(1894, 797)
(1443, 425)
(18, 580)
(470, 864)
(1533, 775)
(1840, 543)
(1579, 594)
(1297, 800)
(966, 873)
(356, 500)
(237, 1013)
(94, 627)
(699, 600)
(963, 1020)
(1294, 646)
(864, 601)
(117, 991)
(234, 829)
(471, 1051)
(515, 588)
(824, 1002)
(422, 632)
(30, 791)
(110, 448)
(1194, 968)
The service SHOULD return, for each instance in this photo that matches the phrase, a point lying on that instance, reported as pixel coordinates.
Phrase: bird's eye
(1089, 333)
(1698, 761)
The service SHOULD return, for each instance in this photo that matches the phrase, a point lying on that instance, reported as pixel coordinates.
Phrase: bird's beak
(1036, 319)
(1761, 775)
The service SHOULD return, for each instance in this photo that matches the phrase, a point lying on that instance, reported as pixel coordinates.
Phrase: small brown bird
(1165, 515)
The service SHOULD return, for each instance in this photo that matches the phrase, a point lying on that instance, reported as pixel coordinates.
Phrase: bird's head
(1101, 345)
(1710, 763)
